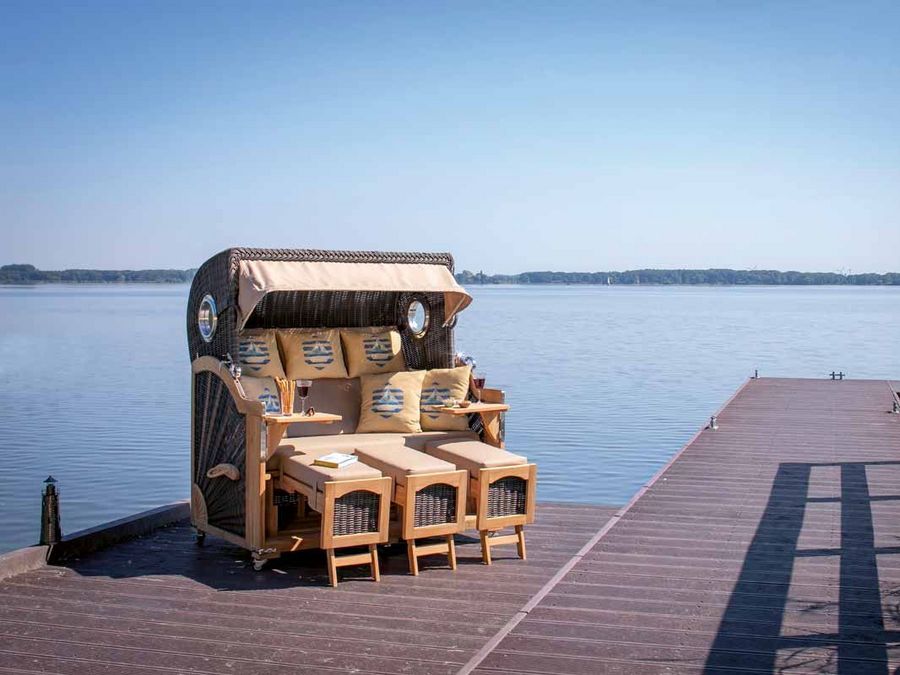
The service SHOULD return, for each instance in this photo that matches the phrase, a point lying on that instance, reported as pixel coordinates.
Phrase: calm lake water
(605, 383)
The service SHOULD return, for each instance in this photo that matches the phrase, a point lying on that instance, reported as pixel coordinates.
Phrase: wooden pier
(771, 544)
(161, 604)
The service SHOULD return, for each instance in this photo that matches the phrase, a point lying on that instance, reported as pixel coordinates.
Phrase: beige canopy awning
(258, 277)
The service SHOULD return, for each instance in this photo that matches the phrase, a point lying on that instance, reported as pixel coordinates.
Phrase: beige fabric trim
(258, 277)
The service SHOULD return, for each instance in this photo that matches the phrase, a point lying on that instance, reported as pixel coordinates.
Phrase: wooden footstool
(502, 488)
(354, 503)
(431, 494)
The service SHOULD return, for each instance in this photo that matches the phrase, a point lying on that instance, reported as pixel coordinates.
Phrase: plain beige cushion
(348, 443)
(258, 354)
(390, 402)
(312, 354)
(299, 466)
(338, 397)
(399, 462)
(372, 350)
(473, 455)
(440, 384)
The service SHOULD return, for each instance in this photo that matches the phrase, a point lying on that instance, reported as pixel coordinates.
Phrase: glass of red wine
(303, 391)
(478, 380)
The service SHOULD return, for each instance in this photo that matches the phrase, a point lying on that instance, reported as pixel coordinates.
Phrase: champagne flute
(303, 390)
(478, 380)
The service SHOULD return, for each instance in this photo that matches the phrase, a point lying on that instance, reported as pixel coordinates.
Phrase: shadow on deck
(754, 615)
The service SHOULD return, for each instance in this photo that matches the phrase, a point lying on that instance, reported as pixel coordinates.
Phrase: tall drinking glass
(303, 391)
(478, 380)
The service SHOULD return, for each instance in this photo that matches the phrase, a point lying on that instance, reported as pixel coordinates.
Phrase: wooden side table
(490, 417)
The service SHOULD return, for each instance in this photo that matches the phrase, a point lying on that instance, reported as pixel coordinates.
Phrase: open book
(335, 460)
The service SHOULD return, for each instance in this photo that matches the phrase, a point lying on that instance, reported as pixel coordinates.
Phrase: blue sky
(520, 136)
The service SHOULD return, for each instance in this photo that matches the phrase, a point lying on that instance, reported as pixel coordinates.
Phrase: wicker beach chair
(246, 289)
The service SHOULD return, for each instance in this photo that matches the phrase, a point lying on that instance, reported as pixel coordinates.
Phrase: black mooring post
(51, 532)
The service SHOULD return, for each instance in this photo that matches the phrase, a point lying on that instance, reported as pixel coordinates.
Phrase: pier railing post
(51, 532)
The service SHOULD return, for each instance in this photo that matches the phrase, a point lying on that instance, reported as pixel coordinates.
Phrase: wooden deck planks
(160, 604)
(770, 545)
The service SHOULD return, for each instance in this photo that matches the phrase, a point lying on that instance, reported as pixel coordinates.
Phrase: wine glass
(303, 390)
(478, 380)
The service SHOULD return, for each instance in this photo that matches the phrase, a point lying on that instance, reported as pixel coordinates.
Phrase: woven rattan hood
(259, 277)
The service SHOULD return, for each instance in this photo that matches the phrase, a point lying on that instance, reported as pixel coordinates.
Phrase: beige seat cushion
(299, 466)
(473, 455)
(398, 462)
(348, 443)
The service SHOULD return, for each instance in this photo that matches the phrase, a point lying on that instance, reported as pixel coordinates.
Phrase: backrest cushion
(337, 396)
(372, 350)
(258, 354)
(312, 354)
(390, 402)
(262, 389)
(440, 384)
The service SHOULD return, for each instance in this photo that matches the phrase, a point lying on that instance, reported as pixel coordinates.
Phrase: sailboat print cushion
(438, 385)
(372, 350)
(390, 402)
(258, 354)
(312, 354)
(262, 389)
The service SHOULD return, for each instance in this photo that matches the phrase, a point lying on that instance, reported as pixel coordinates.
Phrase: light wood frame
(493, 423)
(405, 499)
(487, 525)
(330, 541)
(261, 536)
(325, 538)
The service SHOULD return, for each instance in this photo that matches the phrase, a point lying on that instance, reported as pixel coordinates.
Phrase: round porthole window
(207, 318)
(417, 318)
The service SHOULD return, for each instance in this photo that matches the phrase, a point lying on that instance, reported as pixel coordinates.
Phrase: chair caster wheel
(259, 564)
(200, 538)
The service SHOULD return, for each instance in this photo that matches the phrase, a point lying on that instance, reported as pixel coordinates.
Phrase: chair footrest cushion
(473, 455)
(300, 467)
(398, 462)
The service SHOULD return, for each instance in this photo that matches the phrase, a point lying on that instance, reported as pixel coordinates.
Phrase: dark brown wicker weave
(435, 505)
(219, 437)
(218, 277)
(507, 497)
(356, 512)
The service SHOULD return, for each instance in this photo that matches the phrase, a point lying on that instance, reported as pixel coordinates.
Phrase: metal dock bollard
(51, 533)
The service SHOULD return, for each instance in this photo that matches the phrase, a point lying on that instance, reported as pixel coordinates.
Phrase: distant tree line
(670, 277)
(29, 274)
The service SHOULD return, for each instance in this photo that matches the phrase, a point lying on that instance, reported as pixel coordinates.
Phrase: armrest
(213, 365)
(493, 395)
